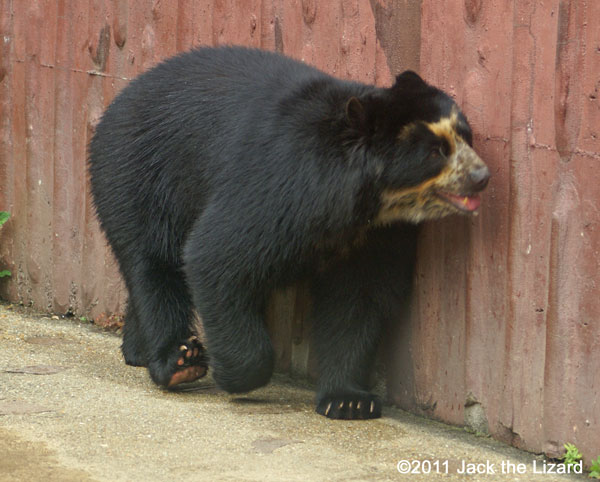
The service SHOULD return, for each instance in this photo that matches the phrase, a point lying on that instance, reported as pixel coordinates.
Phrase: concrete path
(71, 410)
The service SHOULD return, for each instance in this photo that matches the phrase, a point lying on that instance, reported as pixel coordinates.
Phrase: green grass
(572, 455)
(595, 469)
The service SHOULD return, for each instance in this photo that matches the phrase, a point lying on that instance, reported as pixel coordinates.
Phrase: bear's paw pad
(190, 362)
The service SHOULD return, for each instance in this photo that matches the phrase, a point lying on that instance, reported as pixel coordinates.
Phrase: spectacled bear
(224, 173)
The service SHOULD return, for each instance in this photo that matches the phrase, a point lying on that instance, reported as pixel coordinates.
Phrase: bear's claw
(350, 406)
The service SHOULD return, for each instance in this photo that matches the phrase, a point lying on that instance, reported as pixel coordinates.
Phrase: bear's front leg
(346, 338)
(241, 355)
(352, 298)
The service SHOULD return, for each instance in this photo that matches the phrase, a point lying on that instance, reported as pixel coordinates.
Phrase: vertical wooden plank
(290, 28)
(64, 270)
(488, 43)
(572, 379)
(19, 282)
(358, 41)
(203, 12)
(236, 23)
(438, 329)
(112, 81)
(186, 24)
(145, 39)
(6, 58)
(533, 177)
(7, 168)
(584, 420)
(76, 55)
(322, 29)
(93, 59)
(135, 27)
(39, 117)
(270, 26)
(590, 83)
(397, 30)
(118, 62)
(164, 25)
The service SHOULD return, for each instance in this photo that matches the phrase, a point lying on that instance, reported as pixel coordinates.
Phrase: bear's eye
(438, 151)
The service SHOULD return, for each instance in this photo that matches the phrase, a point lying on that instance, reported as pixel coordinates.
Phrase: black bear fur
(224, 173)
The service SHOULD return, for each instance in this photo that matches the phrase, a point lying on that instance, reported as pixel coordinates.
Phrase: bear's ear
(356, 114)
(409, 79)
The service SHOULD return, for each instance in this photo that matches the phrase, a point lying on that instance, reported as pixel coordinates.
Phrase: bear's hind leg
(163, 324)
(134, 345)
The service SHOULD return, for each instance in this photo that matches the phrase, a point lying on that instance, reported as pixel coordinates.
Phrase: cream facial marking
(446, 128)
(449, 192)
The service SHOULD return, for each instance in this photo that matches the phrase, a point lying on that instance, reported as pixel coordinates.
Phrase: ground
(71, 410)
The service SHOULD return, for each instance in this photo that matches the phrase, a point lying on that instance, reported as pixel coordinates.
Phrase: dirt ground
(71, 410)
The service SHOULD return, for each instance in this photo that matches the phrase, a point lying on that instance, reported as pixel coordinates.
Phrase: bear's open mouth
(467, 203)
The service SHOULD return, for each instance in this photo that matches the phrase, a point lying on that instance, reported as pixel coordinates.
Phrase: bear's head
(419, 144)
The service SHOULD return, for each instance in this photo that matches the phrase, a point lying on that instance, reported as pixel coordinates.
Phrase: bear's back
(183, 129)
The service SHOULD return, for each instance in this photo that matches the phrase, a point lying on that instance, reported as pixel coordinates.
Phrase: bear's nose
(479, 177)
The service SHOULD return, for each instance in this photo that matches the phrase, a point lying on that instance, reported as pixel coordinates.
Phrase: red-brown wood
(504, 329)
(505, 320)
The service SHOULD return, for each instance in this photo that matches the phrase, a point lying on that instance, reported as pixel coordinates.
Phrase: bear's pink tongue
(466, 203)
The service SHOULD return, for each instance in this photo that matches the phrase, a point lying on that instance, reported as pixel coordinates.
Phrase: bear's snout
(479, 178)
